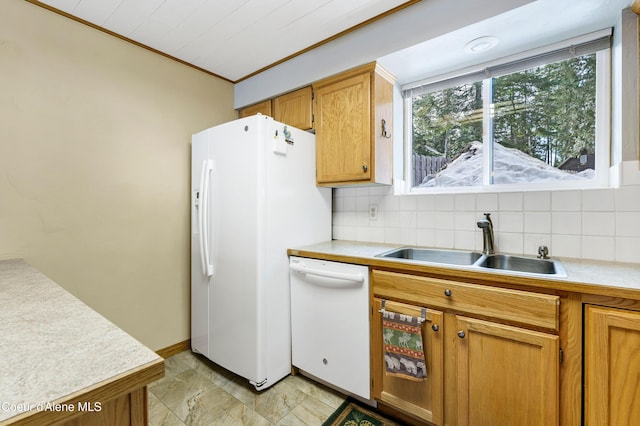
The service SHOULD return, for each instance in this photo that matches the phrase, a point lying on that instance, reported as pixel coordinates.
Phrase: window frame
(603, 118)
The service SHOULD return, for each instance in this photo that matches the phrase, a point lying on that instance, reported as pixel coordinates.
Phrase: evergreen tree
(445, 122)
(547, 112)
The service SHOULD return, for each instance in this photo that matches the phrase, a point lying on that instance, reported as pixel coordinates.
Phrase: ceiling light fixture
(481, 44)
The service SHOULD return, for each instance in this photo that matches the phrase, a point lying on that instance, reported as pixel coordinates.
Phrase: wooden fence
(424, 165)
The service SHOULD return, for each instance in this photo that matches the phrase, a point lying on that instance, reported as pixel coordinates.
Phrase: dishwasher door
(330, 322)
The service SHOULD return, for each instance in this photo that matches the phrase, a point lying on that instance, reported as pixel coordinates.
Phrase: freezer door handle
(300, 267)
(201, 205)
(203, 218)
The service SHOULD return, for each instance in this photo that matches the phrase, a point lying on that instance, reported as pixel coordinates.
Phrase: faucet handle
(488, 217)
(543, 252)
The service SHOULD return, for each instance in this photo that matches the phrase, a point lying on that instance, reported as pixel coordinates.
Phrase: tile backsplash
(599, 224)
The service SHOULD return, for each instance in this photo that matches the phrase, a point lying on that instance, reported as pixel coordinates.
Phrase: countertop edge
(118, 365)
(102, 392)
(331, 251)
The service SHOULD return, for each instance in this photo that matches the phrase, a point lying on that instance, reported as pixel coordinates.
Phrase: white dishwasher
(330, 322)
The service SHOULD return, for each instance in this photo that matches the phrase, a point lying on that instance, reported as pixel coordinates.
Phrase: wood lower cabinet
(493, 361)
(505, 375)
(421, 399)
(120, 400)
(127, 410)
(612, 367)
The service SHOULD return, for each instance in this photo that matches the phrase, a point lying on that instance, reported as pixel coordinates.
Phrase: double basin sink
(495, 262)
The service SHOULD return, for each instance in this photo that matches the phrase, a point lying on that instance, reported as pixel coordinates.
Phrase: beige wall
(94, 166)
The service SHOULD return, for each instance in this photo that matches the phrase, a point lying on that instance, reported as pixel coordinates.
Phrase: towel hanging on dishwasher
(403, 345)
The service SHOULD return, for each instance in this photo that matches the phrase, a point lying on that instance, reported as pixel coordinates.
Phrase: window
(540, 120)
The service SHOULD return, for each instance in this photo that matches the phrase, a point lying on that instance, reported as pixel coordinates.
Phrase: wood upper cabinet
(421, 399)
(612, 367)
(294, 108)
(505, 375)
(353, 119)
(263, 108)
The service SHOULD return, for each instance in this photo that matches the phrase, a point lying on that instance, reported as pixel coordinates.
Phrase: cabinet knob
(324, 361)
(365, 168)
(435, 327)
(447, 293)
(461, 334)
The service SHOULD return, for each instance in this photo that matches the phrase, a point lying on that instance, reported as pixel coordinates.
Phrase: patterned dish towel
(403, 348)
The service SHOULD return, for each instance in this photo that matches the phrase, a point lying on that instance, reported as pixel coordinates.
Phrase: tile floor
(195, 391)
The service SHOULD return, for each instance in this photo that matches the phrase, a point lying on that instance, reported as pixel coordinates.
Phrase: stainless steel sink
(450, 257)
(518, 265)
(522, 264)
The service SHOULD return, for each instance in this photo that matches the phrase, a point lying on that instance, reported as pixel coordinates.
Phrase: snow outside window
(541, 122)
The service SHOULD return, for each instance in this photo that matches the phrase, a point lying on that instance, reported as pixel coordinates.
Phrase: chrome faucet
(488, 246)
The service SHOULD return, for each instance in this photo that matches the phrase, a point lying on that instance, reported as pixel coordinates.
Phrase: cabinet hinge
(561, 355)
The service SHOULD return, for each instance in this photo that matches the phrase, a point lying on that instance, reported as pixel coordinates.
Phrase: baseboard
(174, 349)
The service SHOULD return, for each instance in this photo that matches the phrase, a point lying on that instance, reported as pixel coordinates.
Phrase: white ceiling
(530, 26)
(230, 38)
(236, 38)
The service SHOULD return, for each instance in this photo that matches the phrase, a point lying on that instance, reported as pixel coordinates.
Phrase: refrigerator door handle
(327, 274)
(207, 267)
(201, 233)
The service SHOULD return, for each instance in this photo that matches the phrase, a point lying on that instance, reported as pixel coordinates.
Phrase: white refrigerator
(253, 195)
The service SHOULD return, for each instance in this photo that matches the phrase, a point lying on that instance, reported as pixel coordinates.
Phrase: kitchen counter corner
(57, 350)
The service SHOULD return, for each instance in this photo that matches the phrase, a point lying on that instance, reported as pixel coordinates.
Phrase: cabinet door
(294, 108)
(506, 375)
(612, 367)
(422, 399)
(343, 130)
(263, 108)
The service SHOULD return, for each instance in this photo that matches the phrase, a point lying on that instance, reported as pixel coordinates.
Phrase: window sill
(402, 189)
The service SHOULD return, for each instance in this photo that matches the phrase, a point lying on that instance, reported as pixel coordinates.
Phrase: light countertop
(53, 345)
(584, 276)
